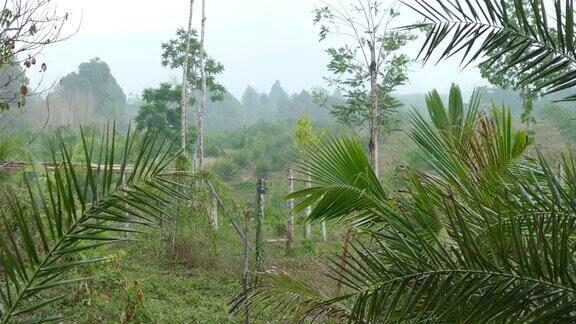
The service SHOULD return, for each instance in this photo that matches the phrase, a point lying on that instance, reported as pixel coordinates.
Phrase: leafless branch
(31, 140)
(26, 28)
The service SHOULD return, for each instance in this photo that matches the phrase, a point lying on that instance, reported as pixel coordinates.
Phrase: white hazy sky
(258, 41)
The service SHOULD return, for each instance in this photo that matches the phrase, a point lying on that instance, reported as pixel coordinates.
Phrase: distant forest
(91, 95)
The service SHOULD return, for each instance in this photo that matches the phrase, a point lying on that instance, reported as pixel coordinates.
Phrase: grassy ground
(184, 273)
(142, 289)
(151, 282)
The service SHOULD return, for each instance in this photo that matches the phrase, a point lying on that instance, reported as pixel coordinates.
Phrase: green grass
(192, 280)
(146, 284)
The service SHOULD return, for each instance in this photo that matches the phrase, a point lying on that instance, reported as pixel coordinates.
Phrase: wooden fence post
(347, 237)
(214, 212)
(223, 208)
(246, 256)
(560, 172)
(290, 222)
(260, 191)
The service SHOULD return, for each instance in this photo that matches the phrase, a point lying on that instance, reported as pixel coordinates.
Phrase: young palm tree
(74, 207)
(486, 235)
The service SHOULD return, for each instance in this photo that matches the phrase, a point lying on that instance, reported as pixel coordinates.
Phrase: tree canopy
(173, 57)
(160, 111)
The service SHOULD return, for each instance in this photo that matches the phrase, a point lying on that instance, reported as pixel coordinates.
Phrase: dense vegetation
(186, 204)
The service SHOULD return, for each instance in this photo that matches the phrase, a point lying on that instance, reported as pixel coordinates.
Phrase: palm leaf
(74, 207)
(342, 180)
(279, 295)
(541, 54)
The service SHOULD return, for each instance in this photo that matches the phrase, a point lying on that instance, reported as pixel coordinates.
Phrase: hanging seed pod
(23, 90)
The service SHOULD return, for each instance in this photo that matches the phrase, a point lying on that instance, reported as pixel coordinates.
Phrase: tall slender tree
(174, 57)
(369, 67)
(202, 107)
(184, 101)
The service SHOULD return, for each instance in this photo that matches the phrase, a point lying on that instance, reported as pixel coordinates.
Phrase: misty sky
(258, 41)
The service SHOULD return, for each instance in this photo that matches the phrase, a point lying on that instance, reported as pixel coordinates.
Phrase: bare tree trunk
(323, 230)
(375, 112)
(202, 107)
(290, 223)
(184, 101)
(307, 225)
(194, 157)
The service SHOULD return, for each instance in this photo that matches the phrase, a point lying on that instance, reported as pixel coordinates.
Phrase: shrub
(225, 169)
(182, 163)
(213, 148)
(263, 168)
(241, 158)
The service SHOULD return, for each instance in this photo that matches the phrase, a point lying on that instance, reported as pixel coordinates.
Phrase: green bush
(213, 149)
(412, 158)
(241, 158)
(263, 169)
(225, 168)
(182, 163)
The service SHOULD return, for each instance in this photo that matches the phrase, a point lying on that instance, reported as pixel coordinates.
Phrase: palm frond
(342, 180)
(71, 208)
(387, 287)
(538, 42)
(279, 295)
